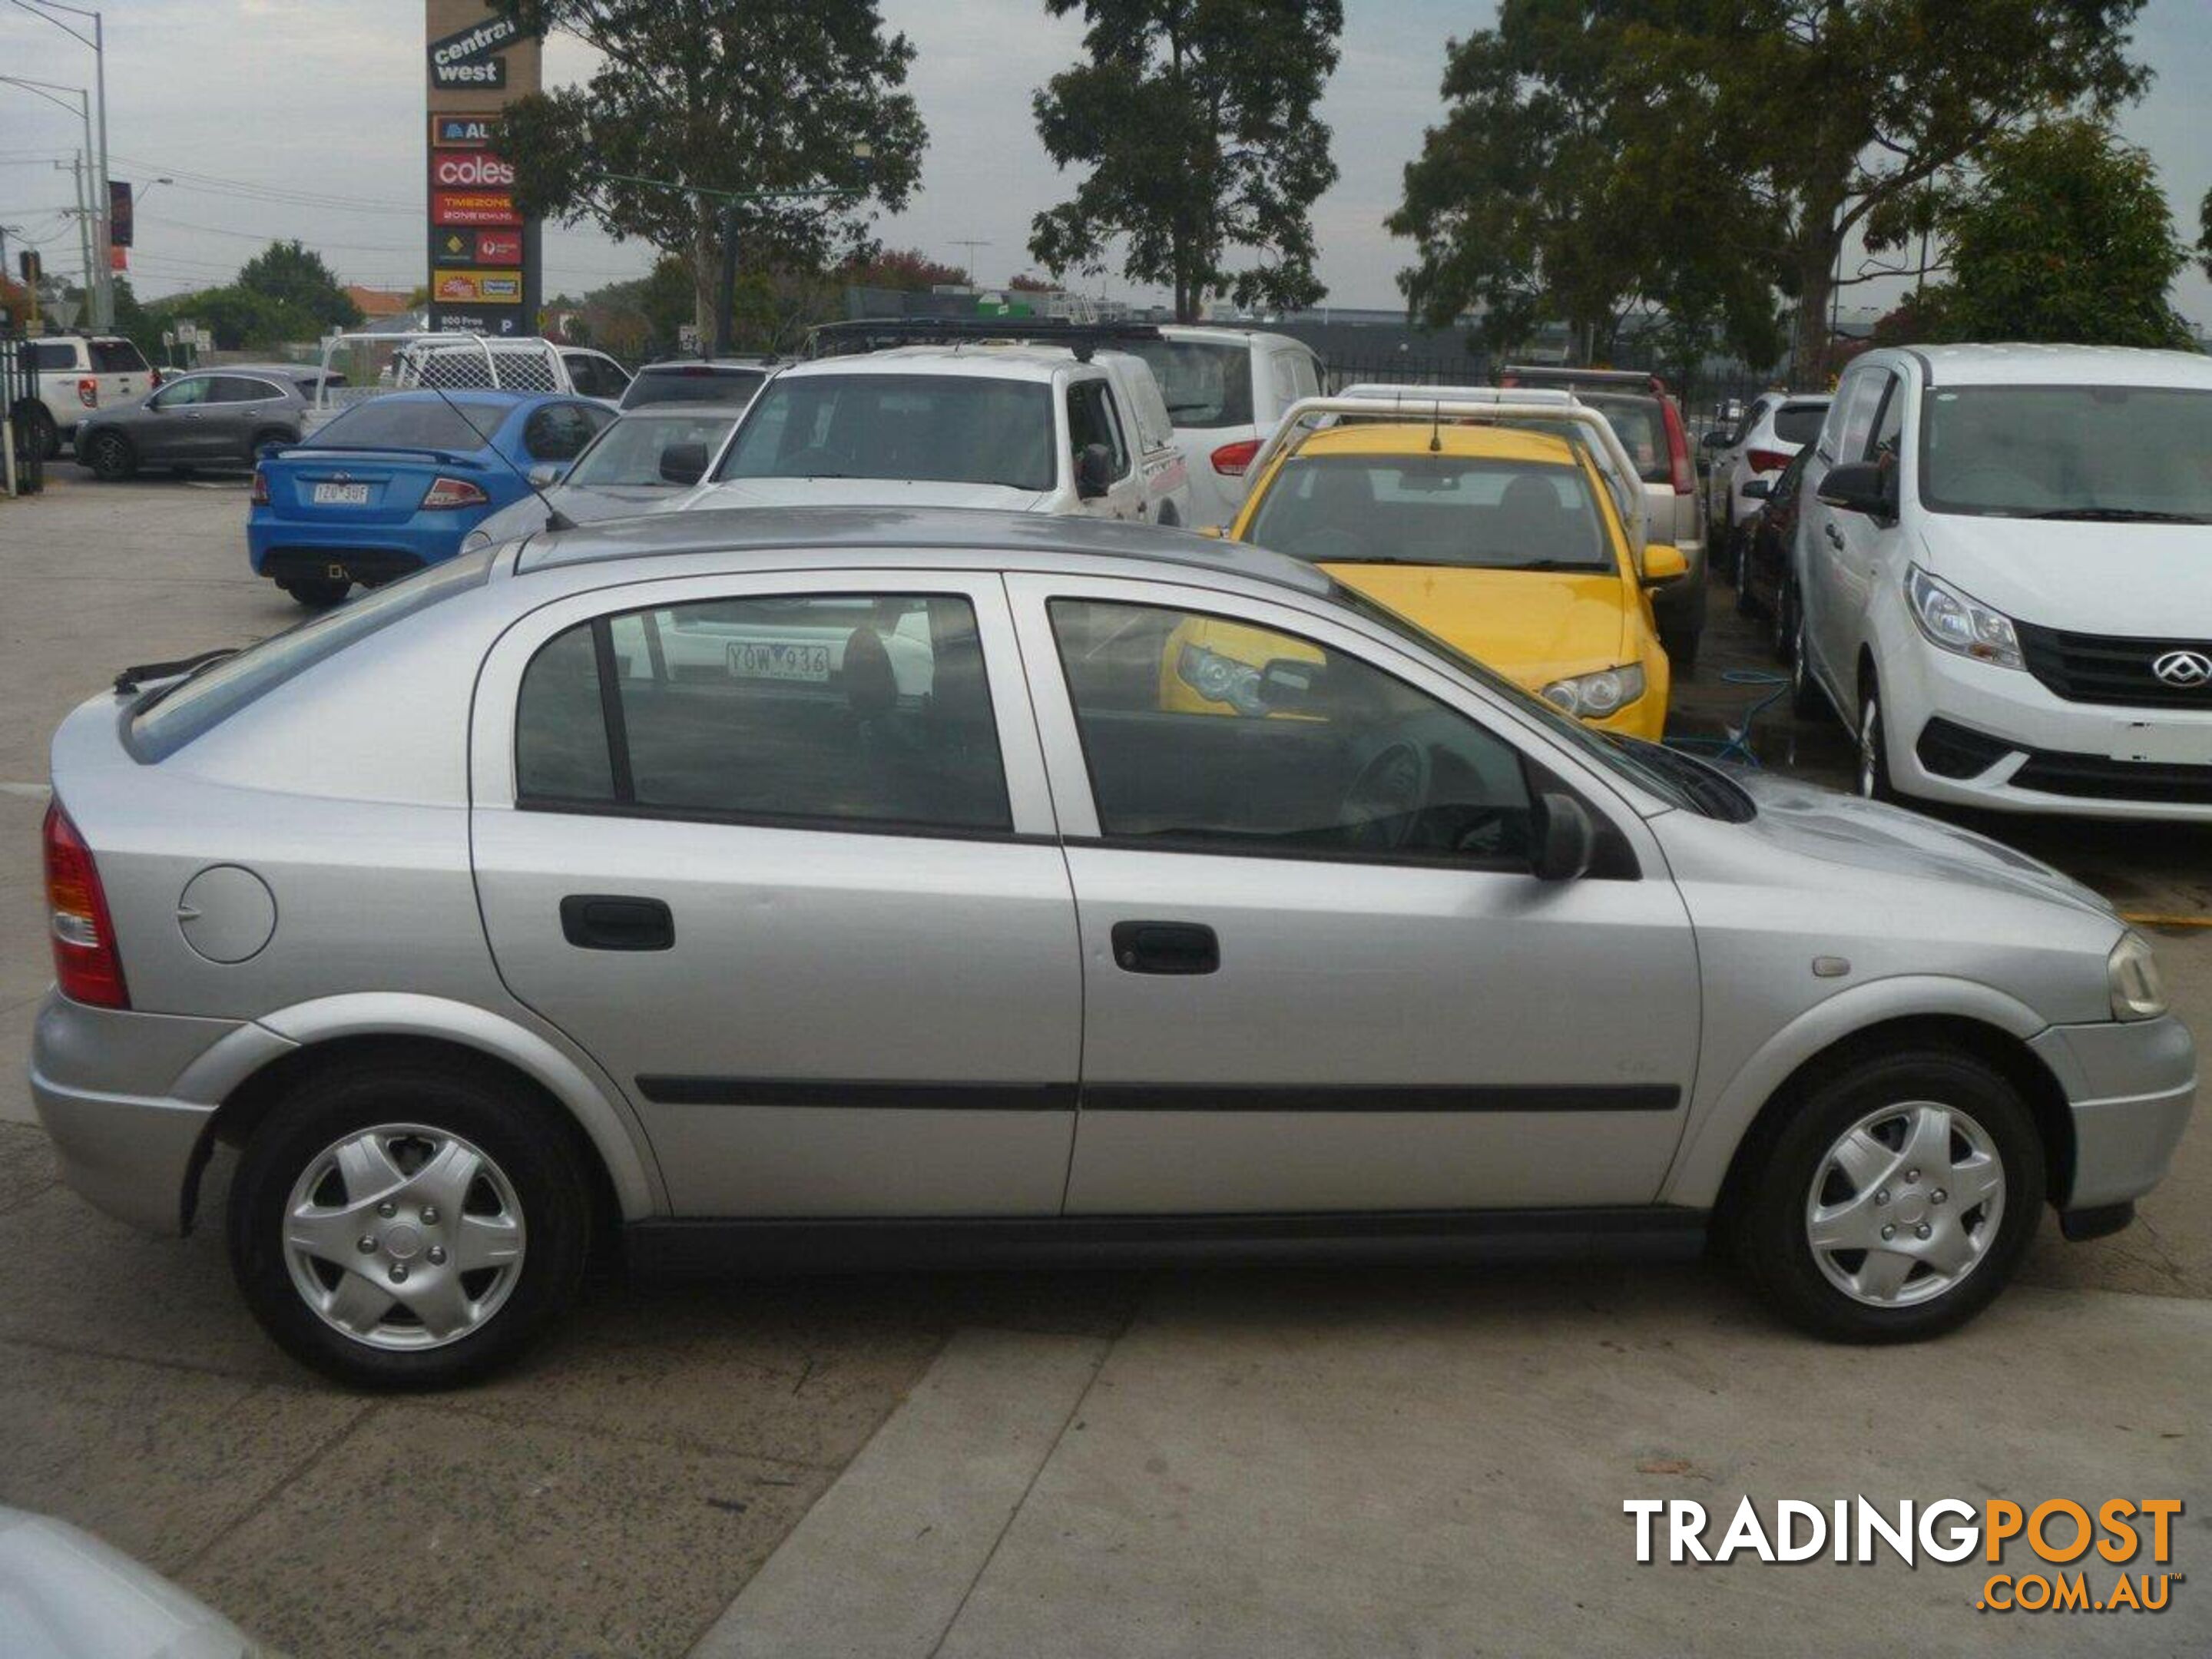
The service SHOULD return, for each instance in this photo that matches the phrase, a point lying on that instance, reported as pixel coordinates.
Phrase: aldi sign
(483, 251)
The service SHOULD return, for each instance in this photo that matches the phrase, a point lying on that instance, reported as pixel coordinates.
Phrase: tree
(1520, 209)
(1196, 120)
(288, 275)
(906, 268)
(1022, 282)
(1814, 121)
(2065, 236)
(713, 99)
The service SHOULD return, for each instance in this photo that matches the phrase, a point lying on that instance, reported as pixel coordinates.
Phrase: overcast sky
(303, 118)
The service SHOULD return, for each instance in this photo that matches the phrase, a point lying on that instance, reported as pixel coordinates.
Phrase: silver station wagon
(770, 889)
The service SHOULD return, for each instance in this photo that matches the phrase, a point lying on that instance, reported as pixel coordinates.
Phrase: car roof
(774, 533)
(2028, 364)
(1503, 443)
(984, 360)
(1223, 334)
(751, 365)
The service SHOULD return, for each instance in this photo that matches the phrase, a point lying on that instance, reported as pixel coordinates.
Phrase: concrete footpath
(1336, 1465)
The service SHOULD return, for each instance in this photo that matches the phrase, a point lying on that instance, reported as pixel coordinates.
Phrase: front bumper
(127, 1097)
(2129, 1087)
(2024, 749)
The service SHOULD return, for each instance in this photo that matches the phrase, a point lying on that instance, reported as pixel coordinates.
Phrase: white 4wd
(79, 373)
(1020, 427)
(2003, 578)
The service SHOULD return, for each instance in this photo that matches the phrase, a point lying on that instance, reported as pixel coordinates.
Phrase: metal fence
(23, 469)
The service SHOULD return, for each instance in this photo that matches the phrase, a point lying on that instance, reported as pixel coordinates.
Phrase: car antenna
(1436, 426)
(554, 518)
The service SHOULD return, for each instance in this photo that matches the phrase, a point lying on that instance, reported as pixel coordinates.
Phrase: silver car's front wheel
(1889, 1191)
(1906, 1204)
(402, 1236)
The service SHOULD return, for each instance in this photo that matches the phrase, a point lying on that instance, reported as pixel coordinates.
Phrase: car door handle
(609, 921)
(1166, 947)
(1835, 536)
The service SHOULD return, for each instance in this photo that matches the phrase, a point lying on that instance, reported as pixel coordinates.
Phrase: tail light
(1230, 459)
(258, 495)
(87, 392)
(86, 965)
(1766, 460)
(448, 493)
(154, 377)
(1678, 448)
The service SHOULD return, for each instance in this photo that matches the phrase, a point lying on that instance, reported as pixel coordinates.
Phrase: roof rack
(876, 333)
(1542, 409)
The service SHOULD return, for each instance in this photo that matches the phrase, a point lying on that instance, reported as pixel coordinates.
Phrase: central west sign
(484, 253)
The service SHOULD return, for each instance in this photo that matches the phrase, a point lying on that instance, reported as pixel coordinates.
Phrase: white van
(2002, 580)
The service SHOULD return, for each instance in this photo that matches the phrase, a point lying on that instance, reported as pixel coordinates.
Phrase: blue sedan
(394, 483)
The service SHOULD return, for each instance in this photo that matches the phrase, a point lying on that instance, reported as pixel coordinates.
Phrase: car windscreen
(629, 451)
(2093, 453)
(692, 383)
(1455, 510)
(1641, 426)
(1204, 384)
(170, 716)
(461, 424)
(939, 428)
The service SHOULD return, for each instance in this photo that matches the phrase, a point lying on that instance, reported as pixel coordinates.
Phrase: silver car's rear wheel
(1905, 1204)
(400, 1236)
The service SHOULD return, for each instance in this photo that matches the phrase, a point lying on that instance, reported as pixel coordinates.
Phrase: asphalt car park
(1289, 1461)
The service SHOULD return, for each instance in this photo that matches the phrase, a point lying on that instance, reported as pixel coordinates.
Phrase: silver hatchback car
(775, 889)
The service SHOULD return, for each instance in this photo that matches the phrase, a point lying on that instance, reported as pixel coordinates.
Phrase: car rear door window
(1208, 733)
(116, 357)
(866, 711)
(50, 356)
(184, 394)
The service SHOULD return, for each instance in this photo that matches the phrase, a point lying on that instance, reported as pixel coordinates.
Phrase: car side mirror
(1663, 562)
(1565, 840)
(683, 463)
(1290, 683)
(548, 473)
(1865, 487)
(1094, 472)
(1717, 438)
(1758, 489)
(270, 451)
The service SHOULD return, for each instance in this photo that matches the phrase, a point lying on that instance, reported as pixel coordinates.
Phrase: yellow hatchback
(1504, 542)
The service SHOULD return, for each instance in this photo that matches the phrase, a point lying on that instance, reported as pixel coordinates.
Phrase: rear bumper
(128, 1097)
(2130, 1087)
(369, 565)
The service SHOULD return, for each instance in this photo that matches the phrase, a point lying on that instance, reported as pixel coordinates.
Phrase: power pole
(971, 244)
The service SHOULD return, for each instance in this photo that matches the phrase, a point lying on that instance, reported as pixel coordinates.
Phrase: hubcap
(404, 1236)
(1906, 1204)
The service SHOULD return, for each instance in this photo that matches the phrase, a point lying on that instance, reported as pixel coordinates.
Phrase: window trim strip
(610, 711)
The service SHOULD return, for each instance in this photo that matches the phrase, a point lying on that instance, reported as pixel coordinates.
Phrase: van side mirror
(1565, 840)
(1094, 472)
(1716, 439)
(1758, 489)
(1865, 487)
(683, 463)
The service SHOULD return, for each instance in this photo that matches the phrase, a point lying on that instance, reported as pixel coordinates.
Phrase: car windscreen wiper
(132, 678)
(2122, 516)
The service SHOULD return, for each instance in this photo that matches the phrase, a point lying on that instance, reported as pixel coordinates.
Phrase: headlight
(1958, 623)
(2138, 993)
(1594, 697)
(1220, 679)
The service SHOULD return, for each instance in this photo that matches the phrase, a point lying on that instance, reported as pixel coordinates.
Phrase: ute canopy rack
(1546, 411)
(374, 364)
(879, 333)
